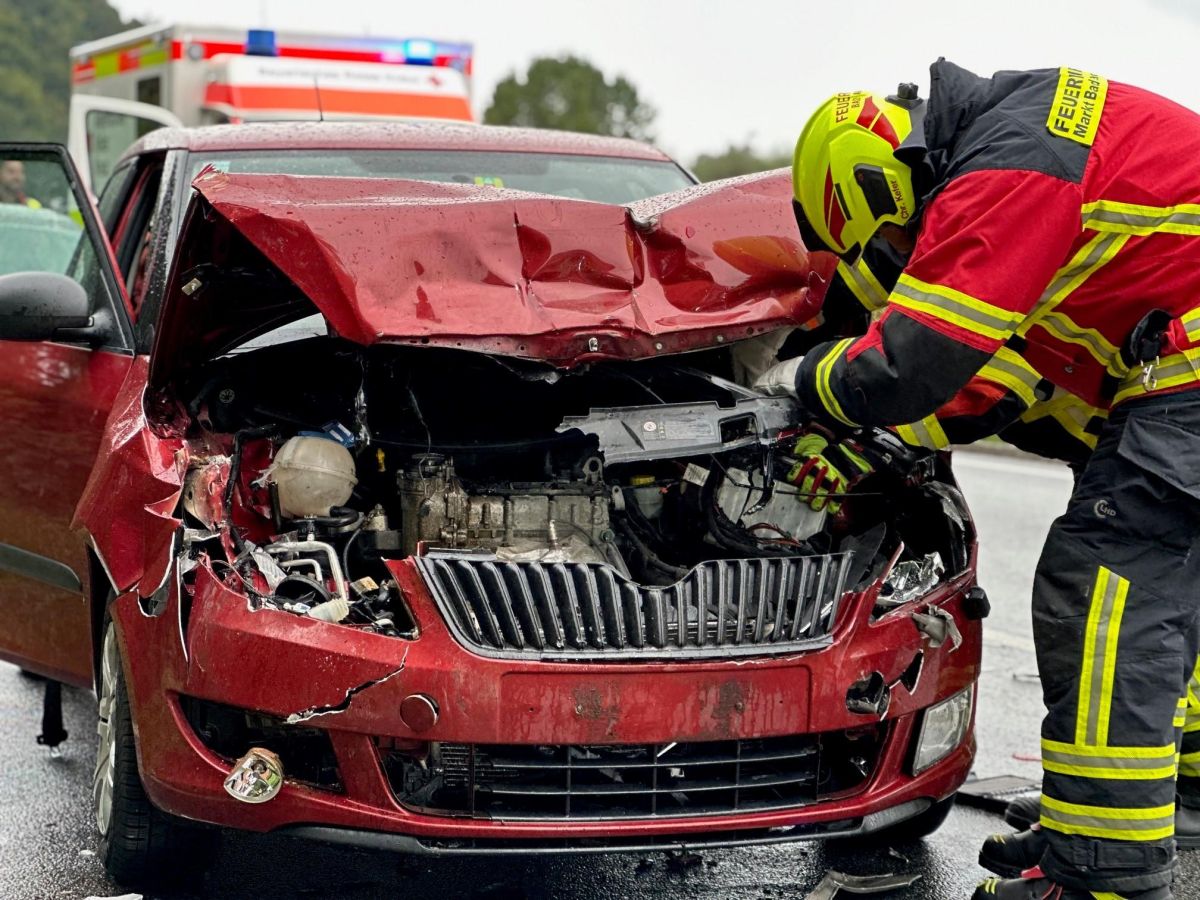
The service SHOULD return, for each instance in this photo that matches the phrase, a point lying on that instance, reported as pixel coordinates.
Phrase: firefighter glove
(824, 471)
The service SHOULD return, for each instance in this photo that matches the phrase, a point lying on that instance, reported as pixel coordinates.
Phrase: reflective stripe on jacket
(1063, 209)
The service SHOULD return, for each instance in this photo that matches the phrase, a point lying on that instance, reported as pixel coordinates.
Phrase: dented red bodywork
(562, 281)
(290, 665)
(498, 271)
(145, 469)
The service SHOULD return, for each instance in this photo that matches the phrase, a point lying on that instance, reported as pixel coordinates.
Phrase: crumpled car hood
(560, 280)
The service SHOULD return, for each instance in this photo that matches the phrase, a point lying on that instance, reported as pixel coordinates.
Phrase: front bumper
(417, 846)
(351, 685)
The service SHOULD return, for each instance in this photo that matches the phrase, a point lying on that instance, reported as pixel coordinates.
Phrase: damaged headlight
(943, 728)
(911, 579)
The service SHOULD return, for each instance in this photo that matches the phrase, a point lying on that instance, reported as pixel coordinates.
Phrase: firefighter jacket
(1007, 396)
(1058, 210)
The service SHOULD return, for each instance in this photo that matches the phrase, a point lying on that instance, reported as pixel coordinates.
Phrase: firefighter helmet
(846, 178)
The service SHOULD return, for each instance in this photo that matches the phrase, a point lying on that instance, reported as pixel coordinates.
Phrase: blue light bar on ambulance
(396, 51)
(419, 52)
(261, 42)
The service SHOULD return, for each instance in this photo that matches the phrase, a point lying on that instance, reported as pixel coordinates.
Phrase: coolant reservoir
(312, 474)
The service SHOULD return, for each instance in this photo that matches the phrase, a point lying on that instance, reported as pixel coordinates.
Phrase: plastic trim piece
(39, 568)
(630, 433)
(403, 843)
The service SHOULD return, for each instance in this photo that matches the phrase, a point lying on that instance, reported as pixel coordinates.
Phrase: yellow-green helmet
(845, 176)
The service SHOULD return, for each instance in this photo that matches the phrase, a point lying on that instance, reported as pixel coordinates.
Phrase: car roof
(391, 135)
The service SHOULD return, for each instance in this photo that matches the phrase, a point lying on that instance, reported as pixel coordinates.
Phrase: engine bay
(316, 460)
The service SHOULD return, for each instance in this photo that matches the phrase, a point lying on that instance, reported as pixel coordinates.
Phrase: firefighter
(1054, 215)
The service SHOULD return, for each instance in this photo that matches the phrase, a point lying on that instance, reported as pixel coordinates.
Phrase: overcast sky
(719, 71)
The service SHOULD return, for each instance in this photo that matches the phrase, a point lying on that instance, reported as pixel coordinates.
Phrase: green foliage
(35, 73)
(571, 94)
(737, 160)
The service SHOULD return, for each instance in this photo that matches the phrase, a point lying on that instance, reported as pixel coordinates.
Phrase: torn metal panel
(145, 469)
(938, 626)
(344, 704)
(233, 652)
(204, 488)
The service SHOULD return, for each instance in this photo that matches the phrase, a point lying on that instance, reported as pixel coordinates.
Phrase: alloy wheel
(102, 778)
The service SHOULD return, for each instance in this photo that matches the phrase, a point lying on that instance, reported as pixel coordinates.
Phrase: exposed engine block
(515, 520)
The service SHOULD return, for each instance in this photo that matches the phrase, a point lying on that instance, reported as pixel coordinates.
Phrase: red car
(397, 485)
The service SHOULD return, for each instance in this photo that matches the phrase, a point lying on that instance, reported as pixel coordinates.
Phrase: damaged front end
(467, 596)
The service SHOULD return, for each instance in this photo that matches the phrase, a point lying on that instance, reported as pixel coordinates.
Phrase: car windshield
(606, 179)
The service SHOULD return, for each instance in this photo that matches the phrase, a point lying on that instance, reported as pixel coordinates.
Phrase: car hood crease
(560, 280)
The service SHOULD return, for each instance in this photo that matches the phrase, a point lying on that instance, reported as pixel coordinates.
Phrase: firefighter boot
(1025, 812)
(1042, 888)
(1187, 828)
(1011, 854)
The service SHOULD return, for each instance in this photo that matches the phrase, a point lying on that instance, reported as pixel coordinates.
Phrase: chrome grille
(571, 610)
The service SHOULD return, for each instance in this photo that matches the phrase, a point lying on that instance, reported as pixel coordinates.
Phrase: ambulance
(128, 84)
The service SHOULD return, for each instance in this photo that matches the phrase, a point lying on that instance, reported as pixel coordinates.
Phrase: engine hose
(727, 534)
(658, 566)
(645, 535)
(235, 468)
(637, 519)
(346, 553)
(339, 518)
(312, 585)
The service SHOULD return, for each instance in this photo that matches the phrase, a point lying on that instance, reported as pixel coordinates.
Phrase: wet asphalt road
(47, 839)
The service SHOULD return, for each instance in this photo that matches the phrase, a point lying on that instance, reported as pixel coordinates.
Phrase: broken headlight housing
(943, 728)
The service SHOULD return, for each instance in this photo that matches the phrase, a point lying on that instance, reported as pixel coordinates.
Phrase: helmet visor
(813, 241)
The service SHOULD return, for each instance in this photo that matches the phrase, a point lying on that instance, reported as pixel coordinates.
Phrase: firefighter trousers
(1189, 760)
(1116, 599)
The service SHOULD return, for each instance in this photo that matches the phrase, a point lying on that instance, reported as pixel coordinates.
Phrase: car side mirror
(42, 306)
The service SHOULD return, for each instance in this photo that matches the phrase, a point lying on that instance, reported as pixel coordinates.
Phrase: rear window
(601, 178)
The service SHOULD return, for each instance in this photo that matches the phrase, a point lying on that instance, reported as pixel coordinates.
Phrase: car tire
(140, 846)
(919, 826)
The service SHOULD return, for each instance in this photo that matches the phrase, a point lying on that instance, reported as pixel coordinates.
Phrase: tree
(737, 160)
(573, 95)
(35, 73)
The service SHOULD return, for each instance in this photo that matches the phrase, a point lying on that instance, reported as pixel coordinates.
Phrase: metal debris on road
(859, 884)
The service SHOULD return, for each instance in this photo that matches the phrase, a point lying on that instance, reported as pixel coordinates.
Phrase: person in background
(12, 184)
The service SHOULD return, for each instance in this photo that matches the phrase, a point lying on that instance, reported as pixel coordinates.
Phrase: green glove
(823, 469)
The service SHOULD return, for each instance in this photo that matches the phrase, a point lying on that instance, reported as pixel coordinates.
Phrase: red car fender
(145, 469)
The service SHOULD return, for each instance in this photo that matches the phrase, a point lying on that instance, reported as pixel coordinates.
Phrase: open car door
(102, 128)
(65, 349)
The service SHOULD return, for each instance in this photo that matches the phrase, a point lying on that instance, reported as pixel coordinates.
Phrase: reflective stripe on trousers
(1115, 605)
